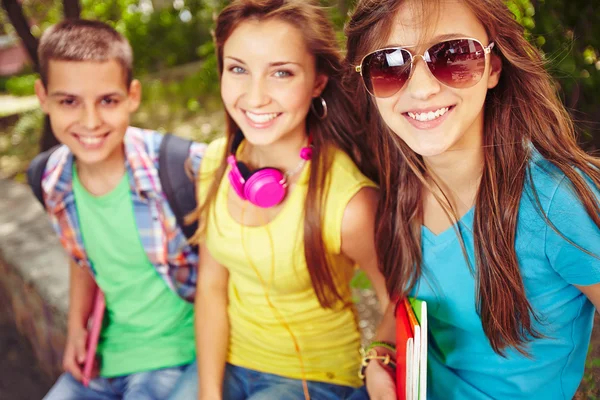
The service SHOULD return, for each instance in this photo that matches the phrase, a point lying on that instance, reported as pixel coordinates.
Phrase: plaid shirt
(164, 242)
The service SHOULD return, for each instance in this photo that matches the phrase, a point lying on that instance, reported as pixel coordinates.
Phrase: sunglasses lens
(457, 63)
(386, 71)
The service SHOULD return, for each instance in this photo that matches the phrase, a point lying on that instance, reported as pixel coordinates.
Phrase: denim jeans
(150, 385)
(245, 384)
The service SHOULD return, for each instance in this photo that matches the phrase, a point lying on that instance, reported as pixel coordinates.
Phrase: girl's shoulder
(552, 186)
(344, 171)
(570, 236)
(216, 148)
(208, 167)
(215, 152)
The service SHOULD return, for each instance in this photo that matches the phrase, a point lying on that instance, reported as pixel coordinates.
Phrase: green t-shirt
(147, 326)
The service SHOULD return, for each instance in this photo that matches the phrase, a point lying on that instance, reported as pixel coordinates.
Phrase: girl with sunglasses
(489, 210)
(285, 213)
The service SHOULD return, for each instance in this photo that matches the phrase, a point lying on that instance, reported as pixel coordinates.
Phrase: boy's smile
(89, 105)
(91, 142)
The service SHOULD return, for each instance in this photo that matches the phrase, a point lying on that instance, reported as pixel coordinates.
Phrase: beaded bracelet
(385, 345)
(372, 354)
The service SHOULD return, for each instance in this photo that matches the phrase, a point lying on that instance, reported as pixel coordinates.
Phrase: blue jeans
(245, 384)
(150, 385)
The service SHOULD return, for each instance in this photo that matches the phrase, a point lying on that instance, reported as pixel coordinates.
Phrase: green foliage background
(168, 33)
(174, 56)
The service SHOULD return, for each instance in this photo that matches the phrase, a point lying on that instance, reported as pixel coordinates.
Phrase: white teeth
(91, 140)
(261, 118)
(428, 116)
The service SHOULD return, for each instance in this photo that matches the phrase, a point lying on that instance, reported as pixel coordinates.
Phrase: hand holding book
(406, 377)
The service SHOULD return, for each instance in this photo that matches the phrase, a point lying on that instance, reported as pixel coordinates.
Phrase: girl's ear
(320, 83)
(495, 71)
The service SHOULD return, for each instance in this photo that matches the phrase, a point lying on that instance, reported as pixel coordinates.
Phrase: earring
(323, 105)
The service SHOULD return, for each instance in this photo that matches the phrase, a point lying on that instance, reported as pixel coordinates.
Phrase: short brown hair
(84, 40)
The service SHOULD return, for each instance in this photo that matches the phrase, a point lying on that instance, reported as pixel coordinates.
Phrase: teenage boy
(102, 191)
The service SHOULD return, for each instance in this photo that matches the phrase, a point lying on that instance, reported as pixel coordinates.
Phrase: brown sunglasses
(457, 63)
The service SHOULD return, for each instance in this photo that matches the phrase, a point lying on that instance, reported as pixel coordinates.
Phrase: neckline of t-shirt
(107, 198)
(465, 222)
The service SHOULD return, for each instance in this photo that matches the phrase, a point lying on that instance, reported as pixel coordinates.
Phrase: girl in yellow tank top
(286, 214)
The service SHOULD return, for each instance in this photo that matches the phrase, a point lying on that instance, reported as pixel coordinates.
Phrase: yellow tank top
(329, 340)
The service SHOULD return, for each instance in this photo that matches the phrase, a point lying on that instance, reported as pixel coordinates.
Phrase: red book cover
(404, 332)
(93, 336)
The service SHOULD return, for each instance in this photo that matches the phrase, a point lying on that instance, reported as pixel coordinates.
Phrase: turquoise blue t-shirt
(462, 364)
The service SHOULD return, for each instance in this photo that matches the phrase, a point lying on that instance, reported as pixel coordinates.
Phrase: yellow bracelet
(372, 355)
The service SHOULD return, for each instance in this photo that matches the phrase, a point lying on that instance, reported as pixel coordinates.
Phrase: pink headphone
(265, 187)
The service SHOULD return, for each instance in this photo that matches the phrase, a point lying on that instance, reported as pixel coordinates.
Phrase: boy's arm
(212, 325)
(81, 297)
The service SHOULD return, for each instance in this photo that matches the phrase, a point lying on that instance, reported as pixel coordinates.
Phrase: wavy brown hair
(338, 130)
(526, 100)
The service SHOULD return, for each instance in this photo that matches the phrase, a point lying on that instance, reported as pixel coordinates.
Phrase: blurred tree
(71, 8)
(20, 22)
(15, 14)
(162, 33)
(166, 33)
(568, 32)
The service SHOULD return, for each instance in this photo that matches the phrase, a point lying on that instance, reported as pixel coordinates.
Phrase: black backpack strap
(35, 173)
(178, 187)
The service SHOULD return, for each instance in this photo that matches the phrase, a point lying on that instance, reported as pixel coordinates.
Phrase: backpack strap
(35, 173)
(178, 187)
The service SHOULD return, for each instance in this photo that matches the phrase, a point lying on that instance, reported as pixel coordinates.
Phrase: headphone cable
(267, 289)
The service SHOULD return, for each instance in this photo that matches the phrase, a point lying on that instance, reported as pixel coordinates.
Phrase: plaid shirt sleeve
(197, 151)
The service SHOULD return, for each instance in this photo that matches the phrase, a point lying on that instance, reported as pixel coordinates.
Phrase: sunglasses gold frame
(425, 56)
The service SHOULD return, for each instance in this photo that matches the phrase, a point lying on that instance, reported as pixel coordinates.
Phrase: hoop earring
(323, 105)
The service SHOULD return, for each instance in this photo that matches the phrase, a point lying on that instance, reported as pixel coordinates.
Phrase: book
(411, 349)
(420, 309)
(95, 326)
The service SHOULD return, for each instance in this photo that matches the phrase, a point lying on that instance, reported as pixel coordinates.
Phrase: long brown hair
(521, 112)
(338, 129)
